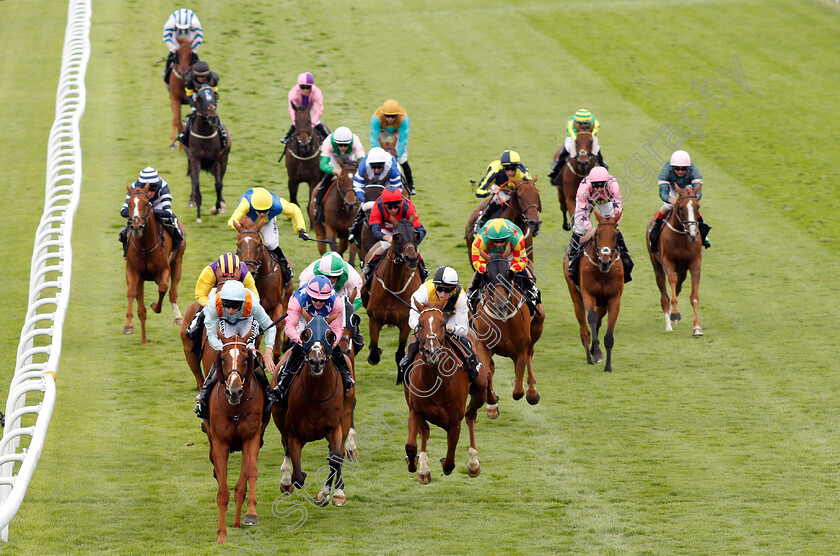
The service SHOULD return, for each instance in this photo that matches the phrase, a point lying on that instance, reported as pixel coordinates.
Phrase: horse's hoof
(492, 411)
(424, 478)
(517, 394)
(213, 210)
(374, 356)
(567, 227)
(533, 400)
(339, 499)
(443, 466)
(172, 147)
(178, 322)
(286, 488)
(128, 329)
(222, 208)
(191, 203)
(321, 499)
(412, 465)
(607, 369)
(676, 317)
(250, 520)
(697, 331)
(473, 470)
(198, 220)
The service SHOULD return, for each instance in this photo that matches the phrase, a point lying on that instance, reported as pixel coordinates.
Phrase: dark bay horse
(184, 60)
(205, 151)
(679, 253)
(576, 168)
(150, 258)
(340, 207)
(504, 326)
(236, 408)
(304, 155)
(372, 192)
(601, 285)
(349, 349)
(523, 209)
(194, 360)
(436, 389)
(317, 408)
(394, 281)
(274, 292)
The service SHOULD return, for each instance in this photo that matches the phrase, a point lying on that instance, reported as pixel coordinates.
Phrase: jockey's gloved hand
(303, 235)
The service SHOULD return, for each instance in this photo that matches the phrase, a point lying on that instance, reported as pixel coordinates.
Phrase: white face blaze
(692, 228)
(135, 211)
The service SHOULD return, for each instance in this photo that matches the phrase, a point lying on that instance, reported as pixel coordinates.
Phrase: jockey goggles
(680, 168)
(394, 205)
(445, 289)
(509, 168)
(305, 87)
(391, 115)
(377, 165)
(232, 304)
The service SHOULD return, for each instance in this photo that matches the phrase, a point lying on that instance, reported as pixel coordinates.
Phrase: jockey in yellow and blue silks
(499, 173)
(262, 207)
(391, 118)
(582, 120)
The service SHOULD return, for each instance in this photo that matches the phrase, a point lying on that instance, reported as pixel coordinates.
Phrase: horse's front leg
(533, 395)
(519, 374)
(163, 285)
(592, 319)
(336, 458)
(405, 330)
(219, 454)
(298, 476)
(375, 352)
(219, 207)
(614, 305)
(248, 481)
(177, 125)
(141, 311)
(411, 443)
(452, 436)
(131, 280)
(195, 192)
(695, 298)
(473, 465)
(424, 473)
(673, 278)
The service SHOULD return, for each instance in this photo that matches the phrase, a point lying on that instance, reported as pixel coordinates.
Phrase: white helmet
(445, 276)
(183, 18)
(680, 158)
(378, 155)
(343, 135)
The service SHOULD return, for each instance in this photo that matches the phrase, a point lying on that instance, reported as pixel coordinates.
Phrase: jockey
(161, 205)
(499, 173)
(600, 190)
(678, 171)
(497, 236)
(182, 24)
(392, 119)
(345, 281)
(305, 93)
(377, 168)
(262, 207)
(198, 78)
(582, 120)
(238, 313)
(390, 208)
(316, 298)
(227, 267)
(445, 289)
(340, 144)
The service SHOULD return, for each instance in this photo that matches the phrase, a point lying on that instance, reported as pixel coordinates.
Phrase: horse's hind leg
(247, 482)
(695, 298)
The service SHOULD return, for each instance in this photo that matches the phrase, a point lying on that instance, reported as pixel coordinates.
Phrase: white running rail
(39, 349)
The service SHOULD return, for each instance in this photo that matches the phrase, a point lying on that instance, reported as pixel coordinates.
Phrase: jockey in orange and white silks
(598, 190)
(182, 25)
(305, 93)
(679, 171)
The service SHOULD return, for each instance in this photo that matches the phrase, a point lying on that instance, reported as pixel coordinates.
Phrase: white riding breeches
(241, 328)
(581, 219)
(270, 235)
(569, 145)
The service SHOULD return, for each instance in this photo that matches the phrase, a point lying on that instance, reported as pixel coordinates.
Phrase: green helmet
(331, 264)
(498, 229)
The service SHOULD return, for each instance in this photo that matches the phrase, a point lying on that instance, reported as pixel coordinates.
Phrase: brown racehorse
(236, 407)
(388, 142)
(523, 209)
(573, 173)
(184, 60)
(303, 162)
(150, 258)
(349, 349)
(274, 293)
(504, 326)
(601, 284)
(436, 389)
(340, 207)
(316, 408)
(194, 360)
(395, 279)
(679, 253)
(372, 192)
(206, 151)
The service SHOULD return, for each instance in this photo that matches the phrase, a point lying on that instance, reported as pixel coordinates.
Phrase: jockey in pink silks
(306, 94)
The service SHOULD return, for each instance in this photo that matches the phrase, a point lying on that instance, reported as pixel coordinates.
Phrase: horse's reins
(613, 256)
(225, 377)
(159, 241)
(682, 222)
(423, 345)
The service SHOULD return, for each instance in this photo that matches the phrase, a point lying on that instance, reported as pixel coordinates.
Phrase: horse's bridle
(248, 262)
(680, 220)
(589, 164)
(537, 224)
(614, 250)
(305, 146)
(509, 287)
(429, 353)
(159, 241)
(343, 192)
(242, 376)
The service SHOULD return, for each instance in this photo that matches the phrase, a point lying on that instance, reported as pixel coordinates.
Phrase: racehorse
(679, 253)
(523, 209)
(184, 60)
(601, 284)
(274, 292)
(205, 151)
(388, 142)
(395, 279)
(436, 389)
(150, 258)
(316, 408)
(372, 192)
(575, 169)
(193, 353)
(350, 348)
(504, 326)
(340, 207)
(236, 407)
(303, 162)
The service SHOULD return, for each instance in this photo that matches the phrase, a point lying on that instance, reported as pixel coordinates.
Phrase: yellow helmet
(261, 199)
(583, 116)
(391, 106)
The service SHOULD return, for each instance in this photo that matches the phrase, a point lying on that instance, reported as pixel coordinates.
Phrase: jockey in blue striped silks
(161, 206)
(182, 25)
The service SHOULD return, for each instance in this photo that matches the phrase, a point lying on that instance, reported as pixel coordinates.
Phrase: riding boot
(288, 136)
(202, 408)
(367, 270)
(409, 180)
(655, 230)
(167, 71)
(490, 211)
(473, 289)
(175, 231)
(285, 267)
(600, 158)
(574, 256)
(184, 136)
(407, 360)
(704, 232)
(194, 329)
(624, 253)
(262, 380)
(557, 168)
(319, 197)
(424, 272)
(222, 134)
(472, 364)
(286, 372)
(340, 364)
(356, 228)
(323, 130)
(124, 239)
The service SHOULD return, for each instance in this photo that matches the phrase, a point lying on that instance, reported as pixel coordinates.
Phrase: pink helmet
(306, 79)
(599, 173)
(319, 287)
(680, 158)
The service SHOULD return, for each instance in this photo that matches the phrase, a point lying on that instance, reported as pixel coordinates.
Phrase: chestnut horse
(575, 169)
(274, 292)
(150, 258)
(236, 407)
(184, 60)
(523, 209)
(679, 253)
(316, 408)
(340, 208)
(206, 152)
(436, 388)
(395, 279)
(388, 142)
(504, 326)
(304, 161)
(601, 285)
(195, 360)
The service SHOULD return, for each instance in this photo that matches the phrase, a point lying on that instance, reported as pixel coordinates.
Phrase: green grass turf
(724, 444)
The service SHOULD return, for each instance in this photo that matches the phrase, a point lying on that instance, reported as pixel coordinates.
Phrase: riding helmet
(343, 136)
(331, 264)
(583, 116)
(498, 228)
(261, 199)
(510, 158)
(599, 174)
(233, 290)
(445, 276)
(392, 194)
(378, 155)
(201, 68)
(680, 158)
(319, 288)
(305, 78)
(391, 107)
(228, 264)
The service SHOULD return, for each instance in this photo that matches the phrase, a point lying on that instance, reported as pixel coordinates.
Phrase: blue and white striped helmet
(183, 18)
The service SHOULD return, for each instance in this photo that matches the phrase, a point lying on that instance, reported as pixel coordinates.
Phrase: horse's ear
(307, 317)
(330, 337)
(222, 337)
(237, 225)
(412, 218)
(331, 318)
(598, 216)
(306, 335)
(617, 216)
(697, 189)
(534, 179)
(294, 106)
(128, 187)
(680, 190)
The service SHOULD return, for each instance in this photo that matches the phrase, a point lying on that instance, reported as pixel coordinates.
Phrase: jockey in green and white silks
(679, 171)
